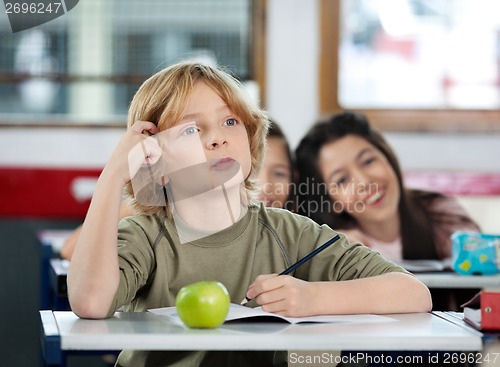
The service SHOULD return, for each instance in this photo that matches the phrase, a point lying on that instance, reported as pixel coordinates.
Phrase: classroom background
(426, 72)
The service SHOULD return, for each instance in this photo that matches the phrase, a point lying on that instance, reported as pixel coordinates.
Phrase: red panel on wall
(455, 183)
(43, 192)
(50, 192)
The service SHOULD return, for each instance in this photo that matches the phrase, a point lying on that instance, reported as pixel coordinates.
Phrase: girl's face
(360, 180)
(208, 145)
(275, 175)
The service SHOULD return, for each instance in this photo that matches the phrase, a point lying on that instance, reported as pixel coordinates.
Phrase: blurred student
(275, 178)
(276, 175)
(355, 185)
(201, 122)
(360, 185)
(70, 242)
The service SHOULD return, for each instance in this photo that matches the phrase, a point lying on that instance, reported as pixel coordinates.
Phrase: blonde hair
(162, 98)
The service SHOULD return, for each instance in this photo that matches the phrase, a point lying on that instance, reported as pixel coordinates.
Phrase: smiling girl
(363, 185)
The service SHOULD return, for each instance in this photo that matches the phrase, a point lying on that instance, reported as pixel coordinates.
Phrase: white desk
(128, 330)
(437, 274)
(454, 280)
(51, 242)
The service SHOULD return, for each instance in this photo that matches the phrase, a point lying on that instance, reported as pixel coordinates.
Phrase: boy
(192, 184)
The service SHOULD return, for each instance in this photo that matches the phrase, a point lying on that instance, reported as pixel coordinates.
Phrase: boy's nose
(216, 140)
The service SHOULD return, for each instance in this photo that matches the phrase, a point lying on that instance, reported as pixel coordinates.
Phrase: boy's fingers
(140, 126)
(264, 283)
(263, 277)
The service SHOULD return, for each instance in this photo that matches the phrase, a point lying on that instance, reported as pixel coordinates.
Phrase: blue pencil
(303, 260)
(310, 255)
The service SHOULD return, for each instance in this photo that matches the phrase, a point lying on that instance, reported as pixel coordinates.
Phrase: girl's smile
(375, 199)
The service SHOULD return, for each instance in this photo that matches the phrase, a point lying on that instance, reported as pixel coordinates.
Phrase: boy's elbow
(414, 294)
(88, 308)
(90, 300)
(428, 305)
(422, 299)
(89, 312)
(425, 299)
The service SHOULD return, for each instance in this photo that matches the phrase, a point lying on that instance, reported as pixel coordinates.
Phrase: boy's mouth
(222, 164)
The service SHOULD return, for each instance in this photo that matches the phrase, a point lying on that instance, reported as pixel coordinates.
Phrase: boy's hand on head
(134, 150)
(283, 294)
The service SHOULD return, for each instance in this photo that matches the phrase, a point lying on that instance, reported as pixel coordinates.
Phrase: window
(87, 64)
(413, 64)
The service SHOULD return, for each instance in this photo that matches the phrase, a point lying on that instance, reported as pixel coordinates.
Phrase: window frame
(257, 70)
(421, 120)
(258, 46)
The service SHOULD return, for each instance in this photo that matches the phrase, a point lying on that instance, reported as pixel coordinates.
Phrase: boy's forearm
(93, 275)
(383, 294)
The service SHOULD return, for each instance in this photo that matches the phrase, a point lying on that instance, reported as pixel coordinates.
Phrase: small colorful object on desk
(475, 253)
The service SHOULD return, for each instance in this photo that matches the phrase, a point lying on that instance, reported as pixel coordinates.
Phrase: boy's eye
(230, 122)
(190, 130)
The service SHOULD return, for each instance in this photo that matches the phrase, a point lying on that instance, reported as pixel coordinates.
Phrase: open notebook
(242, 313)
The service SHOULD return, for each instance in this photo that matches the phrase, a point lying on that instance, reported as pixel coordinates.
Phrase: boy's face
(208, 147)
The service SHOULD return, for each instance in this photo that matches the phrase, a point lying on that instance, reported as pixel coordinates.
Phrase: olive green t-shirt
(155, 265)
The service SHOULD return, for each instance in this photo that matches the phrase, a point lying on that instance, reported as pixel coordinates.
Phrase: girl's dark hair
(417, 233)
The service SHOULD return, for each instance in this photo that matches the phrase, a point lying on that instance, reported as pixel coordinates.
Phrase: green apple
(203, 304)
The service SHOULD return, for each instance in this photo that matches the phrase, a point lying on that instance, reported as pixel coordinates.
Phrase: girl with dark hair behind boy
(356, 186)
